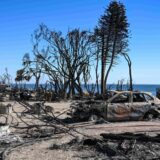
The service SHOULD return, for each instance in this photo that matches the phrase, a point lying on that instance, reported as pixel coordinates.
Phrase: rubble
(38, 122)
(5, 109)
(37, 108)
(113, 147)
(10, 138)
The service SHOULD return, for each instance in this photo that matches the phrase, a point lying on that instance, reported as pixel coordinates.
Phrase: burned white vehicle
(123, 106)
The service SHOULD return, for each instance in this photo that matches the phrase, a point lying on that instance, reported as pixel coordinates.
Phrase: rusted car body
(123, 106)
(132, 106)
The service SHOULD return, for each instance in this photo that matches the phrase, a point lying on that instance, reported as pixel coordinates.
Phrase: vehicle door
(139, 106)
(119, 107)
(149, 98)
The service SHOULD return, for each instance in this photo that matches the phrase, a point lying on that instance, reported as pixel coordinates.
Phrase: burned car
(108, 94)
(123, 106)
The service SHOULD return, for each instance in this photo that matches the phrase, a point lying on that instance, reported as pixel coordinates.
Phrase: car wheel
(149, 116)
(93, 118)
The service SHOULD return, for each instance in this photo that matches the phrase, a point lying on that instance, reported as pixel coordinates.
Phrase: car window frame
(139, 102)
(148, 96)
(117, 95)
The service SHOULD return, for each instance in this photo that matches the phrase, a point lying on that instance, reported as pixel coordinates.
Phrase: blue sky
(19, 18)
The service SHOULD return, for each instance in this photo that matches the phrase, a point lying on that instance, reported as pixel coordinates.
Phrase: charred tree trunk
(97, 76)
(112, 60)
(127, 58)
(103, 61)
(79, 86)
(37, 82)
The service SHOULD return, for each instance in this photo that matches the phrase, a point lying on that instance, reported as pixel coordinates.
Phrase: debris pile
(38, 122)
(114, 146)
(84, 110)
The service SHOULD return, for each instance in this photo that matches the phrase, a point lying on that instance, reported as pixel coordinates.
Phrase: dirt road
(119, 127)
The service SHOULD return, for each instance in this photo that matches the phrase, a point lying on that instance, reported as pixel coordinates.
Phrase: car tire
(149, 117)
(93, 118)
